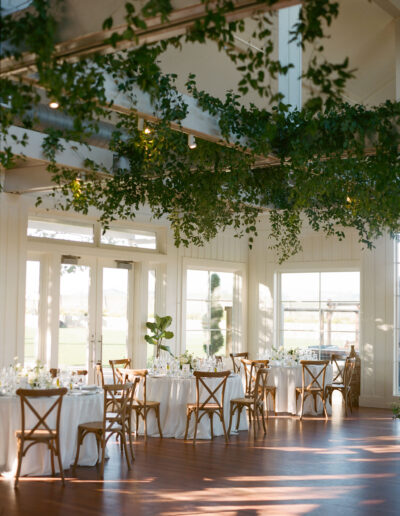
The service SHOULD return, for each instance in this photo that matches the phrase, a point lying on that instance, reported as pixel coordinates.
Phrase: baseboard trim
(378, 401)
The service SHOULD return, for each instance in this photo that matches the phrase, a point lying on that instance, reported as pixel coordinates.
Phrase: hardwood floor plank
(342, 467)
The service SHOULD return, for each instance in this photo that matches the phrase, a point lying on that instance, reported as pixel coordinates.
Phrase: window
(320, 310)
(59, 230)
(31, 348)
(151, 309)
(397, 316)
(209, 300)
(130, 238)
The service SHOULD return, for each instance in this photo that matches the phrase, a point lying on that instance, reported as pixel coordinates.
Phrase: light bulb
(192, 141)
(53, 104)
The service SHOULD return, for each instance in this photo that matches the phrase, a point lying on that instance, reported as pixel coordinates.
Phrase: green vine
(335, 165)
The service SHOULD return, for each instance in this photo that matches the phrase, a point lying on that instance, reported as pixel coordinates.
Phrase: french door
(95, 312)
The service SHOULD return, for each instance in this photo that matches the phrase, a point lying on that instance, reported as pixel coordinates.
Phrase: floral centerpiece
(186, 358)
(39, 376)
(285, 355)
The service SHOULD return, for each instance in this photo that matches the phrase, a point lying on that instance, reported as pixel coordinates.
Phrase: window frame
(396, 326)
(310, 268)
(239, 326)
(159, 231)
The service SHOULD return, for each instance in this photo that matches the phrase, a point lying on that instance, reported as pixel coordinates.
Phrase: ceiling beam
(179, 22)
(392, 7)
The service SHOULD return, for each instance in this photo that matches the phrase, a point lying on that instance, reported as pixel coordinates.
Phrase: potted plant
(159, 332)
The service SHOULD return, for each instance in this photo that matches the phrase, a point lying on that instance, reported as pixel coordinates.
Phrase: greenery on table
(335, 165)
(159, 333)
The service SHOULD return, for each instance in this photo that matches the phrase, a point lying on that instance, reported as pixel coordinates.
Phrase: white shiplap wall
(260, 265)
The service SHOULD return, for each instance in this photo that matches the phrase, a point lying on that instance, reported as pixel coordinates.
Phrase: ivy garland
(323, 171)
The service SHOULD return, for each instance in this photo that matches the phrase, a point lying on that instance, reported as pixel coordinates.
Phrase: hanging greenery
(335, 165)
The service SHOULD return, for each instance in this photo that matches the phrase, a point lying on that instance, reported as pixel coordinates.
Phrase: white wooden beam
(290, 52)
(392, 7)
(180, 21)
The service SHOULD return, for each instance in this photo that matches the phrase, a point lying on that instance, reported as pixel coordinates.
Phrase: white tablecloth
(174, 393)
(286, 379)
(76, 409)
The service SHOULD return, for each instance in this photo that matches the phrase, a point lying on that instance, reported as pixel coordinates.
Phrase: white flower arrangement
(186, 358)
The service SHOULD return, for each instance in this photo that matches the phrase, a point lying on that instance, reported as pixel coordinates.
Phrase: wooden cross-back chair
(236, 360)
(117, 422)
(98, 374)
(314, 386)
(254, 404)
(211, 405)
(54, 372)
(142, 406)
(345, 387)
(79, 372)
(250, 372)
(122, 363)
(40, 432)
(338, 363)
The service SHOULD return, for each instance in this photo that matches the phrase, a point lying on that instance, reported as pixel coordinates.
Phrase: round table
(286, 379)
(173, 393)
(77, 408)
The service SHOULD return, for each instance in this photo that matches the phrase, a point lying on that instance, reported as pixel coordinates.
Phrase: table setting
(171, 382)
(83, 403)
(286, 374)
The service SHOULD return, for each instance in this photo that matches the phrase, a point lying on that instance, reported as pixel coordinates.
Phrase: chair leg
(188, 418)
(263, 418)
(130, 438)
(196, 415)
(78, 447)
(20, 454)
(210, 415)
(240, 409)
(58, 453)
(123, 439)
(157, 409)
(350, 401)
(53, 469)
(302, 406)
(274, 398)
(145, 421)
(103, 456)
(231, 413)
(221, 415)
(324, 405)
(137, 421)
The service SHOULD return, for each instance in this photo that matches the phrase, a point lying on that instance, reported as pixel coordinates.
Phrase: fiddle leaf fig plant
(159, 332)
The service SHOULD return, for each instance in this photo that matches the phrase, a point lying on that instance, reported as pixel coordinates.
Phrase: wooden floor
(342, 467)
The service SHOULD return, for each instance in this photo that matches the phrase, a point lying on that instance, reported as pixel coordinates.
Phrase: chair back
(212, 394)
(261, 384)
(250, 373)
(348, 371)
(120, 398)
(311, 380)
(98, 374)
(54, 372)
(132, 375)
(236, 360)
(122, 363)
(25, 395)
(80, 372)
(338, 362)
